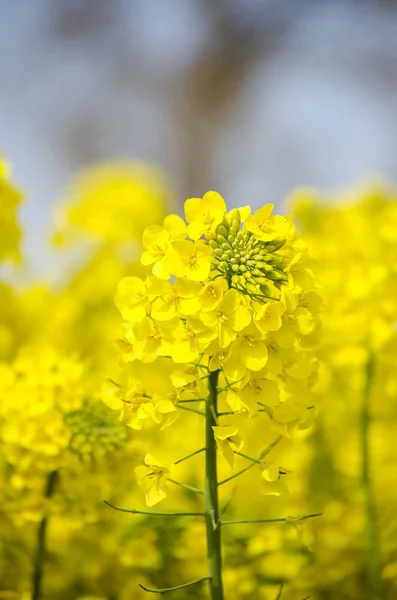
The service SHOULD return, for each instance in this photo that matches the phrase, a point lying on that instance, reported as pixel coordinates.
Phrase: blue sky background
(250, 97)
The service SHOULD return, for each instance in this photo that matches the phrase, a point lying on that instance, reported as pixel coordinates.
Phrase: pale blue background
(306, 94)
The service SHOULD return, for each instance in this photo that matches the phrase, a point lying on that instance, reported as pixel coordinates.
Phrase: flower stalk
(280, 520)
(212, 518)
(375, 588)
(173, 589)
(135, 511)
(38, 566)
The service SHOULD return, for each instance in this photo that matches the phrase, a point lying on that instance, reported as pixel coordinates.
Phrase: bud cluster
(248, 264)
(95, 432)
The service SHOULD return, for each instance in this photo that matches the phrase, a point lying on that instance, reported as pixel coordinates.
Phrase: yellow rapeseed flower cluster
(230, 292)
(49, 419)
(112, 203)
(62, 451)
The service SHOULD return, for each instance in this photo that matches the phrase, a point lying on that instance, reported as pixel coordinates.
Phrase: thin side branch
(194, 410)
(254, 460)
(260, 457)
(281, 520)
(214, 414)
(278, 597)
(135, 511)
(189, 456)
(172, 589)
(192, 400)
(224, 388)
(186, 486)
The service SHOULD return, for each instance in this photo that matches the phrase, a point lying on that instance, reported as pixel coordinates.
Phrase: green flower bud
(264, 289)
(264, 267)
(236, 221)
(277, 261)
(252, 288)
(277, 275)
(277, 244)
(221, 231)
(234, 215)
(261, 280)
(245, 260)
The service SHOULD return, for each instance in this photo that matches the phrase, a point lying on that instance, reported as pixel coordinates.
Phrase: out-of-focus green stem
(375, 586)
(39, 558)
(172, 589)
(214, 553)
(281, 520)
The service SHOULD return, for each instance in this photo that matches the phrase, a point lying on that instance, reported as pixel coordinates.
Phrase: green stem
(375, 590)
(41, 541)
(214, 553)
(278, 597)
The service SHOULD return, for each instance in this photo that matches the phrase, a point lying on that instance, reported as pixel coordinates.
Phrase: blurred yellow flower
(153, 479)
